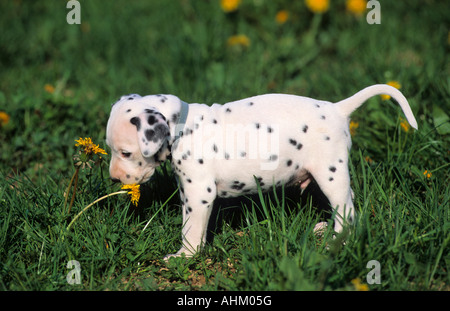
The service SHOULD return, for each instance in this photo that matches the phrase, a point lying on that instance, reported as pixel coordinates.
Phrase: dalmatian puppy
(232, 149)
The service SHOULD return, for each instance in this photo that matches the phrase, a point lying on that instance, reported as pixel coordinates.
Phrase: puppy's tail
(348, 105)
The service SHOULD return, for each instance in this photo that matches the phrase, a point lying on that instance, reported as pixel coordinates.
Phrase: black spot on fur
(332, 169)
(200, 161)
(260, 181)
(293, 142)
(269, 129)
(299, 146)
(273, 157)
(208, 189)
(189, 180)
(331, 179)
(215, 148)
(137, 122)
(128, 110)
(214, 121)
(305, 129)
(237, 185)
(150, 134)
(327, 137)
(289, 163)
(250, 103)
(340, 161)
(227, 156)
(228, 110)
(204, 202)
(323, 117)
(257, 125)
(152, 120)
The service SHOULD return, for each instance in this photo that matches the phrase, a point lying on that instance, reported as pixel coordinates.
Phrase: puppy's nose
(115, 180)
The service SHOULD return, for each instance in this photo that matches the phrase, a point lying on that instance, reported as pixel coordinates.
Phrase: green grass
(262, 243)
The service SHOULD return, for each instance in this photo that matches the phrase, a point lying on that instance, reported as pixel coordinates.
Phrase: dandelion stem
(66, 196)
(96, 201)
(75, 185)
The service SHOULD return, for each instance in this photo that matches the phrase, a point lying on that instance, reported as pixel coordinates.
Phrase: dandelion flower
(134, 192)
(427, 174)
(49, 88)
(318, 6)
(4, 118)
(394, 84)
(405, 125)
(353, 126)
(282, 17)
(88, 146)
(359, 286)
(229, 5)
(238, 40)
(356, 7)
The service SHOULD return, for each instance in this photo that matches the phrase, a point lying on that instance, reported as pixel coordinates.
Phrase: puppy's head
(138, 135)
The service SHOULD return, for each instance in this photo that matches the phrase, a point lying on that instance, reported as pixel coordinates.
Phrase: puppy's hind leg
(334, 181)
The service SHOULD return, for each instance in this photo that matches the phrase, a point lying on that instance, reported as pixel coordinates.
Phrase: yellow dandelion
(282, 17)
(88, 146)
(49, 88)
(359, 286)
(394, 84)
(4, 118)
(405, 125)
(368, 160)
(229, 5)
(134, 191)
(356, 7)
(238, 40)
(318, 6)
(427, 174)
(353, 126)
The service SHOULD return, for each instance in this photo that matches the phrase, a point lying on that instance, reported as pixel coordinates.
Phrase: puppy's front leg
(197, 207)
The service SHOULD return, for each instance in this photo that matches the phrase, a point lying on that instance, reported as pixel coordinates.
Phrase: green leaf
(441, 120)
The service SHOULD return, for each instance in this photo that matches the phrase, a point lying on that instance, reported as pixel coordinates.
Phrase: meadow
(57, 84)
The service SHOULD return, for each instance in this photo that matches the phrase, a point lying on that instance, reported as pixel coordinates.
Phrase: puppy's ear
(152, 131)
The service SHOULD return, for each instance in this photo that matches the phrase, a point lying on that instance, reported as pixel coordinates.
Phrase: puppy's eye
(126, 154)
